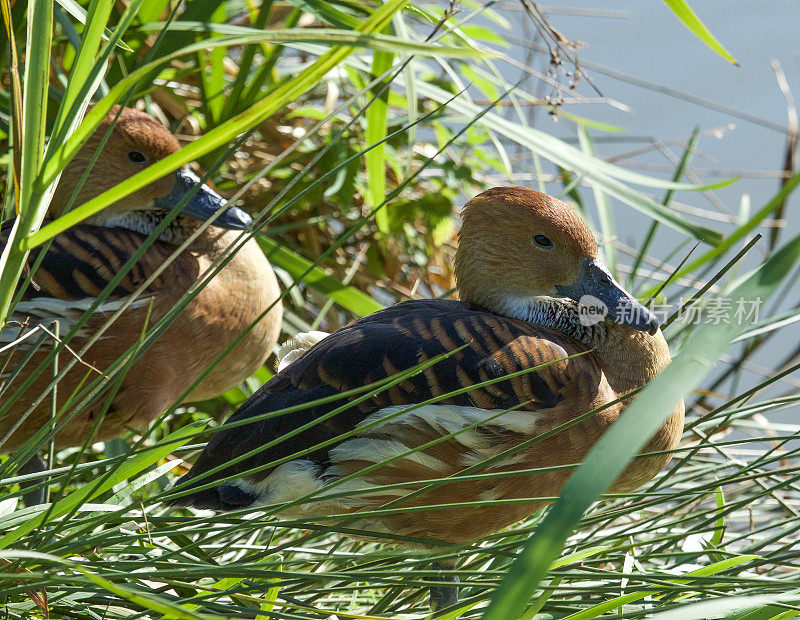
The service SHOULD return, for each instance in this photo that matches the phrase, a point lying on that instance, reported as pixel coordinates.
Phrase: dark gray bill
(595, 280)
(205, 202)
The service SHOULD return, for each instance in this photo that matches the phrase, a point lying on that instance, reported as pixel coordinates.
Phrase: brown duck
(525, 261)
(83, 260)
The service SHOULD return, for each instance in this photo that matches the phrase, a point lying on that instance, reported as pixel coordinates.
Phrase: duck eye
(137, 157)
(543, 241)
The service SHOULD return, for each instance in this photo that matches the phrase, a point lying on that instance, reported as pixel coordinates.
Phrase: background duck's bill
(204, 203)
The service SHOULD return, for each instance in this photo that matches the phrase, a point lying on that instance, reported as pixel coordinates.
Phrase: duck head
(136, 141)
(518, 246)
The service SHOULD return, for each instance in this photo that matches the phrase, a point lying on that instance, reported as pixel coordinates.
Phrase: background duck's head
(517, 246)
(136, 141)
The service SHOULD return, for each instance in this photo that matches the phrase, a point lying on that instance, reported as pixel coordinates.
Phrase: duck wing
(80, 263)
(477, 347)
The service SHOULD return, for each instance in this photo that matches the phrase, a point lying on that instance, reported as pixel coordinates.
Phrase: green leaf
(685, 13)
(270, 597)
(79, 13)
(374, 134)
(719, 526)
(346, 296)
(32, 204)
(638, 422)
(302, 37)
(577, 557)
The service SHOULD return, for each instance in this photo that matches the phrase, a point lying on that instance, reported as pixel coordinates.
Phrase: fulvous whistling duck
(83, 260)
(524, 262)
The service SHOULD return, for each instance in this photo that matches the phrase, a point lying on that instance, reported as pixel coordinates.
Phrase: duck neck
(631, 358)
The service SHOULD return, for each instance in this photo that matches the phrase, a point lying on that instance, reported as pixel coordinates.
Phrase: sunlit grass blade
(689, 18)
(91, 20)
(15, 108)
(32, 204)
(742, 231)
(375, 133)
(302, 38)
(346, 296)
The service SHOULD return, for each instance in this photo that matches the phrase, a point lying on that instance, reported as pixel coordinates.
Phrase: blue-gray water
(652, 45)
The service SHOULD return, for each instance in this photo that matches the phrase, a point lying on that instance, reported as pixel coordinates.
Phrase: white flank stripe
(46, 311)
(380, 450)
(452, 418)
(287, 482)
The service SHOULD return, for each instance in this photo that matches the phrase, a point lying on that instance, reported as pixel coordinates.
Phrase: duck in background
(527, 266)
(241, 300)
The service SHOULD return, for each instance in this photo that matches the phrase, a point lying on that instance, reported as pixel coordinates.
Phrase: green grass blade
(87, 74)
(301, 38)
(245, 64)
(148, 601)
(742, 231)
(93, 34)
(35, 85)
(604, 175)
(90, 21)
(32, 205)
(375, 133)
(723, 608)
(617, 603)
(651, 232)
(689, 18)
(346, 296)
(604, 211)
(212, 78)
(327, 12)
